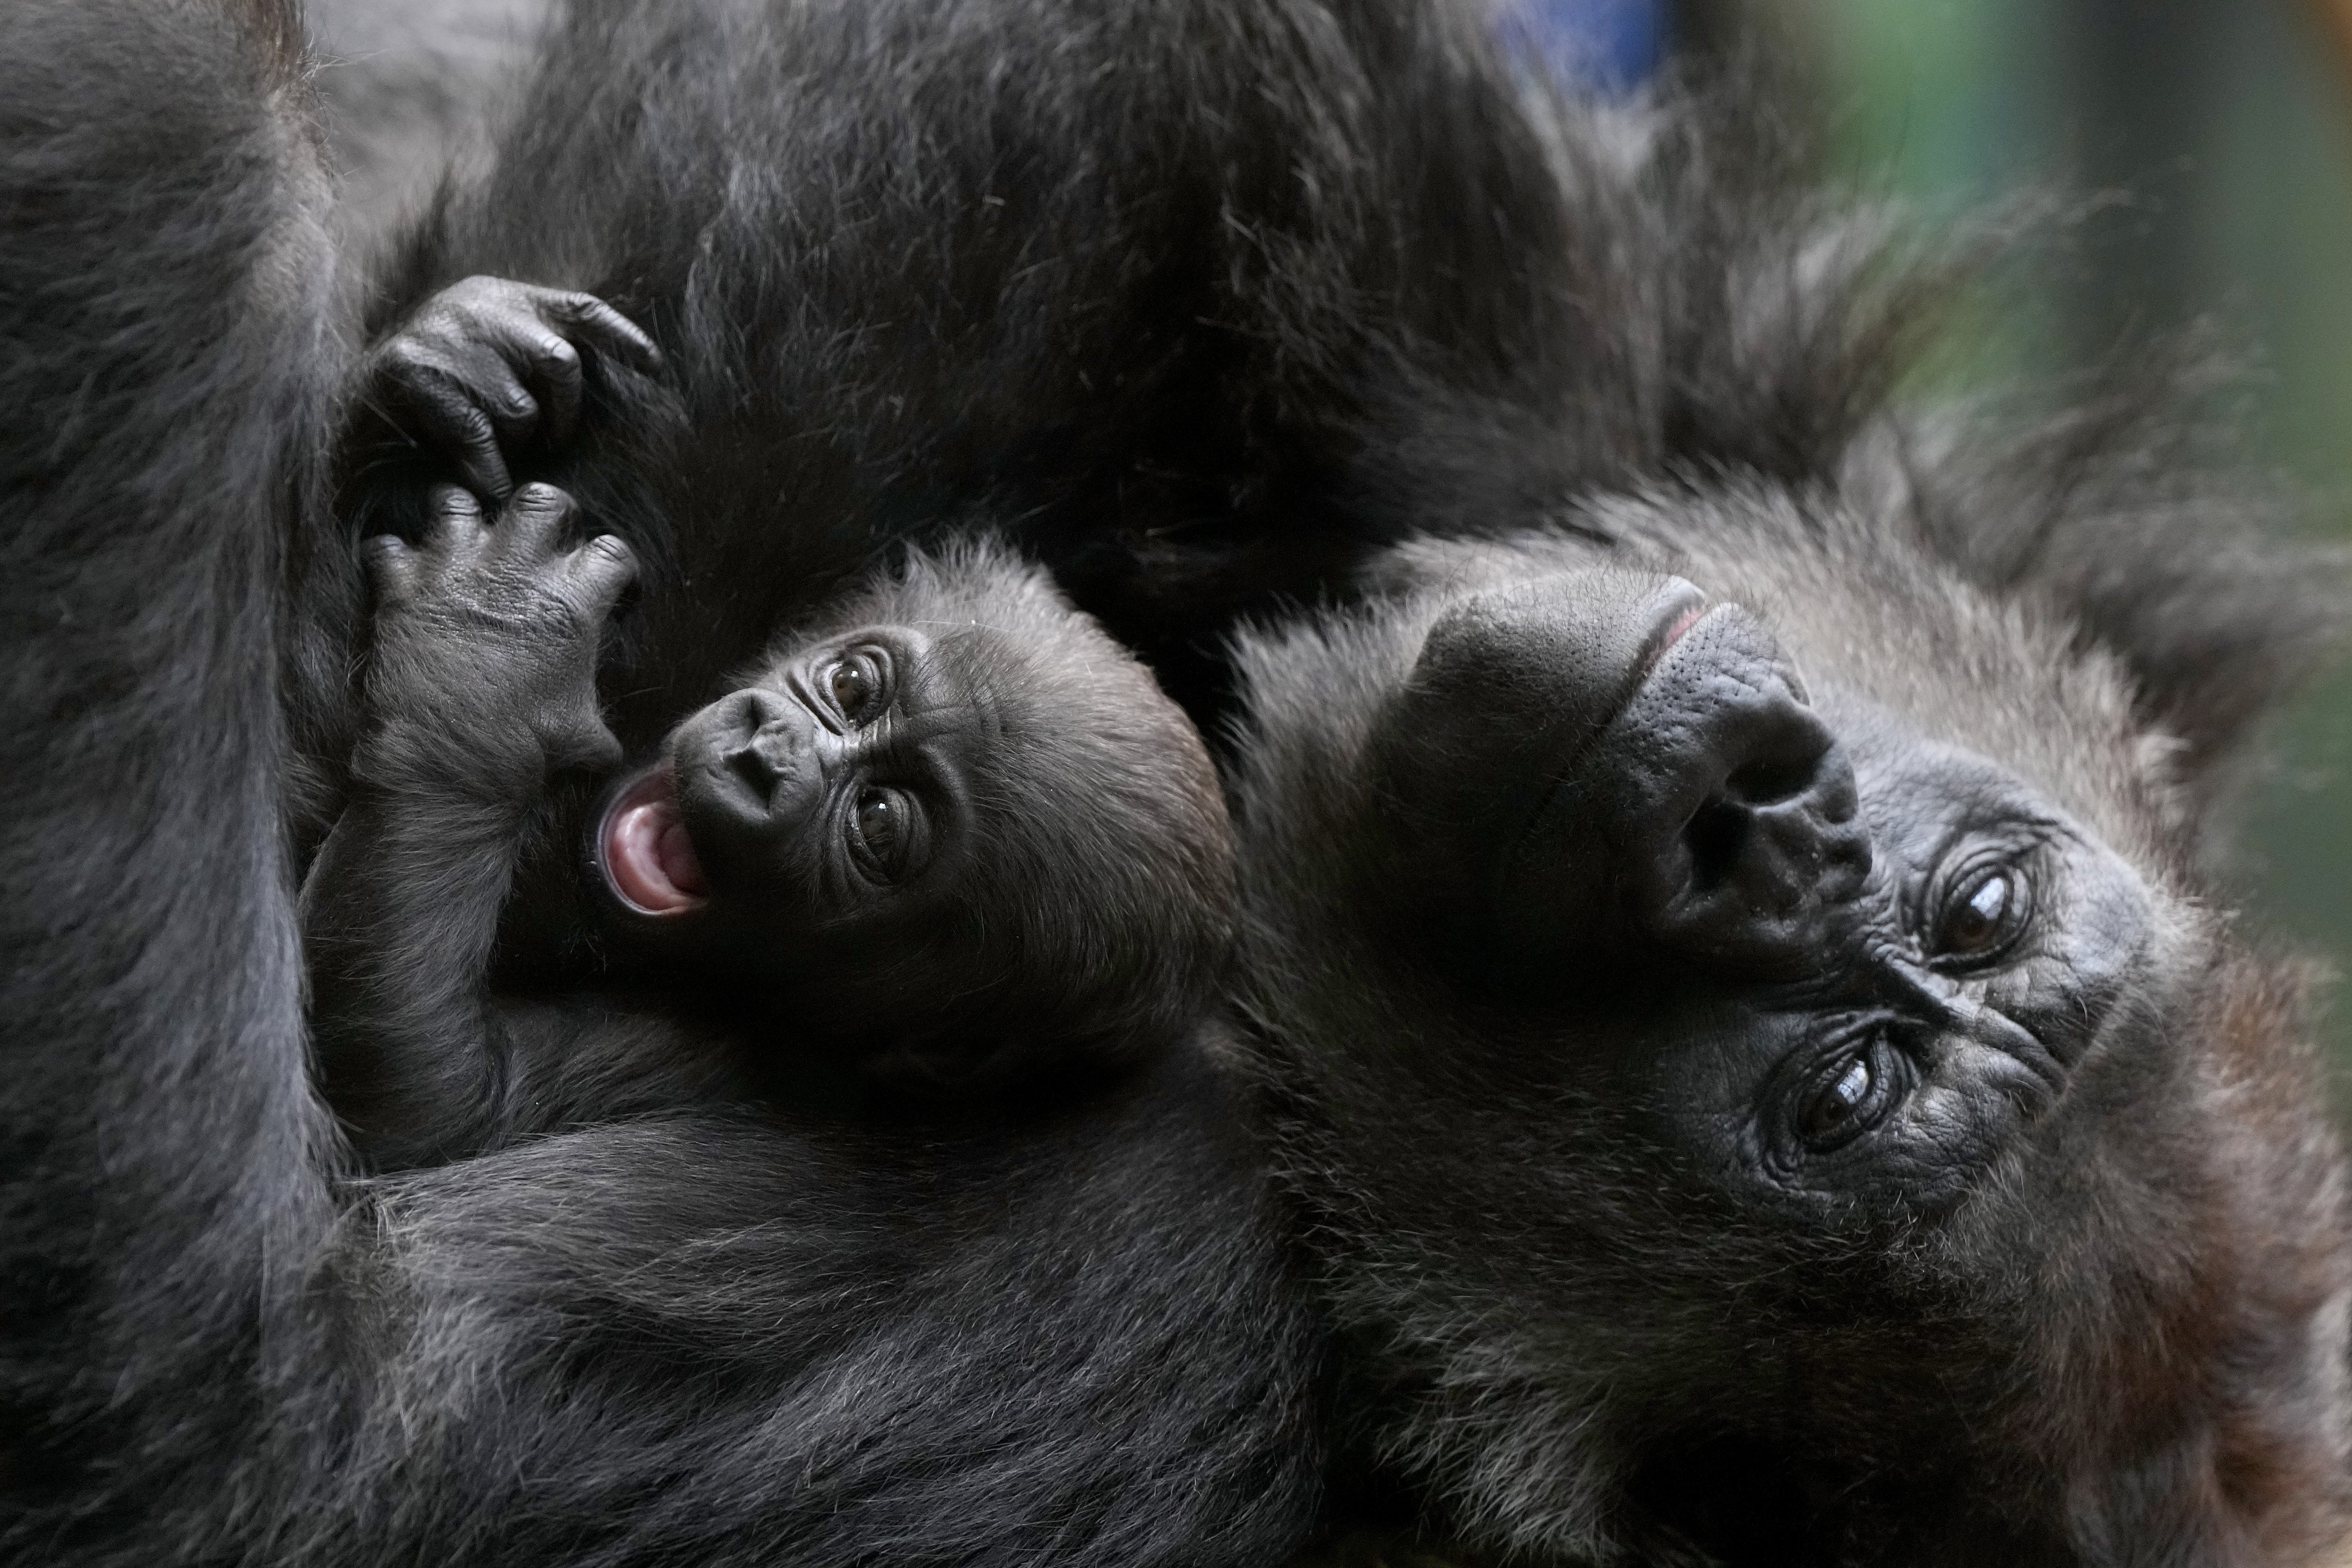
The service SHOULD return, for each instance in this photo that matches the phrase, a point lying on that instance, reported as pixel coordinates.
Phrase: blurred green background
(2224, 130)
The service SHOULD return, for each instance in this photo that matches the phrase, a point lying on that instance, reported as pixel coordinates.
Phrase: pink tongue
(648, 853)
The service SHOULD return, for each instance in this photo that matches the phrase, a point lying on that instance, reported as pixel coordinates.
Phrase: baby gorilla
(952, 836)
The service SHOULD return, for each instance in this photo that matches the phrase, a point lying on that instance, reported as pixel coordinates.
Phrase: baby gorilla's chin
(647, 858)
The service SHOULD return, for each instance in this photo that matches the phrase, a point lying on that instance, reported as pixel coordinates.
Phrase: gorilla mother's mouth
(1681, 606)
(643, 847)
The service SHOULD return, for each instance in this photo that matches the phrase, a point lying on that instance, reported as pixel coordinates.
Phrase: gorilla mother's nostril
(1712, 840)
(1713, 813)
(1770, 852)
(1768, 779)
(1737, 816)
(1722, 830)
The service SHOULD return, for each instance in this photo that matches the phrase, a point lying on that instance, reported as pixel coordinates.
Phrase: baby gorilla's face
(829, 794)
(957, 823)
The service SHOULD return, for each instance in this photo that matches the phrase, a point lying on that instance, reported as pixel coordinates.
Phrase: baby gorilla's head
(953, 826)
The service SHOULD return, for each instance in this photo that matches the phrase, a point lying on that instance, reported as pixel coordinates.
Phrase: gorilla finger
(601, 570)
(554, 367)
(442, 397)
(454, 525)
(391, 567)
(532, 520)
(457, 422)
(605, 330)
(486, 375)
(401, 367)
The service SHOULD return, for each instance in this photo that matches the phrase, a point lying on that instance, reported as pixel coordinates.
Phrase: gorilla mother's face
(1749, 1063)
(1842, 962)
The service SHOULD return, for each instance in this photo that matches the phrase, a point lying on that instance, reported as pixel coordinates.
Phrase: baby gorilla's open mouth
(648, 859)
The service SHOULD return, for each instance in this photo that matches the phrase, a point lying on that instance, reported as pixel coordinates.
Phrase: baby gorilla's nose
(772, 741)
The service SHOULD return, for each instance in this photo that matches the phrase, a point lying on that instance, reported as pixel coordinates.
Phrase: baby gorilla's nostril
(748, 764)
(760, 749)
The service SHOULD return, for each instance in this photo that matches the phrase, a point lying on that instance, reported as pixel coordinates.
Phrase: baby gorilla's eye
(879, 832)
(1980, 916)
(854, 685)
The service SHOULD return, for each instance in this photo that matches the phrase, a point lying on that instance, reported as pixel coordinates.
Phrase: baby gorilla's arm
(481, 687)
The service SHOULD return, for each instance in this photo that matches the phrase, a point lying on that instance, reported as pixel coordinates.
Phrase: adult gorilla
(1751, 1021)
(1761, 1069)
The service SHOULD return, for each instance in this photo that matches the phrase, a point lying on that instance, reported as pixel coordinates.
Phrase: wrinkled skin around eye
(818, 806)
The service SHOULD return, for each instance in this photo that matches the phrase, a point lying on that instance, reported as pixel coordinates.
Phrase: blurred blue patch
(1611, 45)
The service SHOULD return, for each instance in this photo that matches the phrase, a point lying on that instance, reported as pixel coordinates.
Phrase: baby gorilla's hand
(483, 671)
(488, 364)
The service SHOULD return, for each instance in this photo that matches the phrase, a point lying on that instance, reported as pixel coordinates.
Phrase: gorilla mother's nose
(1734, 808)
(1715, 815)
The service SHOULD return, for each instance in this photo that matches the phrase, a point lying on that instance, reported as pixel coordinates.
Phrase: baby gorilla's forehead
(1075, 761)
(1071, 753)
(1050, 676)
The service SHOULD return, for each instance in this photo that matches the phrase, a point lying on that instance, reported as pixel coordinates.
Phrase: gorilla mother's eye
(857, 684)
(882, 832)
(1980, 914)
(1849, 1094)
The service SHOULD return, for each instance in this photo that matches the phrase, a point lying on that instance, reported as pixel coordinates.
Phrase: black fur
(1652, 344)
(891, 255)
(1269, 287)
(1547, 963)
(1063, 1337)
(1115, 283)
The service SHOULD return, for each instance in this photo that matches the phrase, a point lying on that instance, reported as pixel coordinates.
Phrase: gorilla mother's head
(1749, 1031)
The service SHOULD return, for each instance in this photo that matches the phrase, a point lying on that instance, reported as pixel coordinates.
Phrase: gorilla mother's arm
(484, 369)
(480, 688)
